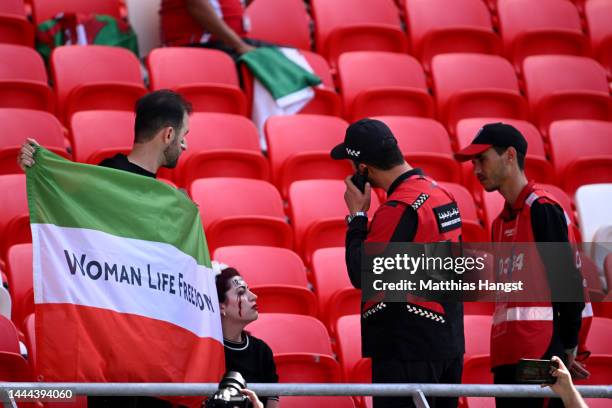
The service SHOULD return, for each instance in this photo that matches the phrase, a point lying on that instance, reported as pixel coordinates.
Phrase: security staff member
(527, 329)
(416, 342)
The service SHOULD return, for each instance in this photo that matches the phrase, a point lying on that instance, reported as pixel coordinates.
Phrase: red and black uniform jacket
(416, 330)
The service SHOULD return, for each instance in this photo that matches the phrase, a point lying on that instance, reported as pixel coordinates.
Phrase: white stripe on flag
(151, 279)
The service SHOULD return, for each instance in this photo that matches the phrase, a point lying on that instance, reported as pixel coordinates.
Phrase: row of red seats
(525, 27)
(303, 351)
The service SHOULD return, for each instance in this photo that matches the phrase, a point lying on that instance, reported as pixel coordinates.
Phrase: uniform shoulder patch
(448, 217)
(420, 200)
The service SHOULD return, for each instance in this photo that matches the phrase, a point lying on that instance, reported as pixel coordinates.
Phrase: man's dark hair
(520, 157)
(158, 110)
(387, 159)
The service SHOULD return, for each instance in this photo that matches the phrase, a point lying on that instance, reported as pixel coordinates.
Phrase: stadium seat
(276, 275)
(18, 124)
(23, 79)
(598, 14)
(592, 204)
(355, 25)
(426, 145)
(540, 27)
(537, 166)
(13, 208)
(471, 230)
(205, 77)
(581, 152)
(237, 211)
(477, 330)
(95, 77)
(291, 29)
(317, 211)
(299, 146)
(348, 330)
(474, 85)
(555, 95)
(442, 27)
(319, 402)
(325, 102)
(14, 26)
(220, 145)
(301, 347)
(600, 333)
(13, 367)
(477, 370)
(330, 280)
(30, 340)
(97, 135)
(44, 9)
(6, 304)
(383, 83)
(20, 276)
(599, 366)
(9, 337)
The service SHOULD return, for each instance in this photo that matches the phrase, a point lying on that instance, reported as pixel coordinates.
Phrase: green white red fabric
(123, 287)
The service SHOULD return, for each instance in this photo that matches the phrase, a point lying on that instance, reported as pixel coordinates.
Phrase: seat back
(44, 10)
(290, 30)
(93, 131)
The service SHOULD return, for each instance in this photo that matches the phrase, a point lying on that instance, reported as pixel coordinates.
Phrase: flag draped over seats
(122, 281)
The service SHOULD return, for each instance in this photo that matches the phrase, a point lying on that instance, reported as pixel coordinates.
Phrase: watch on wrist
(352, 216)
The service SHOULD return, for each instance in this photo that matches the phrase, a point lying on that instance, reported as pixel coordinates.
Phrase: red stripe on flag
(87, 344)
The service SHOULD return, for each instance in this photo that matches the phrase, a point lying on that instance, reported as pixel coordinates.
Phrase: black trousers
(419, 371)
(505, 374)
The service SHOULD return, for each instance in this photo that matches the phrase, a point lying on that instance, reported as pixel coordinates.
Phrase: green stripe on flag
(117, 202)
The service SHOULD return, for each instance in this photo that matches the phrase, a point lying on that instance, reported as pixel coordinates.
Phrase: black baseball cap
(493, 135)
(365, 140)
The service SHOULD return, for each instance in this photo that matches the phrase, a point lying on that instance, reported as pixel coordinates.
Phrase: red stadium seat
(598, 14)
(333, 286)
(20, 276)
(600, 333)
(383, 83)
(9, 337)
(13, 368)
(248, 212)
(474, 85)
(477, 335)
(13, 207)
(276, 275)
(299, 146)
(471, 230)
(425, 144)
(220, 145)
(325, 102)
(537, 166)
(319, 402)
(555, 95)
(97, 135)
(14, 26)
(441, 27)
(599, 367)
(292, 29)
(44, 9)
(30, 337)
(348, 330)
(95, 77)
(319, 226)
(581, 151)
(540, 27)
(18, 124)
(301, 347)
(355, 25)
(23, 79)
(207, 78)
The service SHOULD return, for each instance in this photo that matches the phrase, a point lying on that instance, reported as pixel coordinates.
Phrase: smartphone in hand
(360, 180)
(535, 371)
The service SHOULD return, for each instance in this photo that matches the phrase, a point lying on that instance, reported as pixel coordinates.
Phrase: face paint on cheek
(238, 282)
(239, 299)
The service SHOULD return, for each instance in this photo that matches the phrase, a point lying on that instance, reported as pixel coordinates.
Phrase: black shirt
(121, 162)
(253, 359)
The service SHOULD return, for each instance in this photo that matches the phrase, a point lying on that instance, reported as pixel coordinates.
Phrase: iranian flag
(123, 288)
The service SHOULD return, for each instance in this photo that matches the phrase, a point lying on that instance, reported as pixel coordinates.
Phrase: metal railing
(417, 391)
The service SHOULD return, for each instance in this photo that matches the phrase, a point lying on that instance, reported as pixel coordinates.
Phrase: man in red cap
(409, 342)
(539, 329)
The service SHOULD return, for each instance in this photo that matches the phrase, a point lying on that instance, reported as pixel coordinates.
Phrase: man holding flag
(122, 296)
